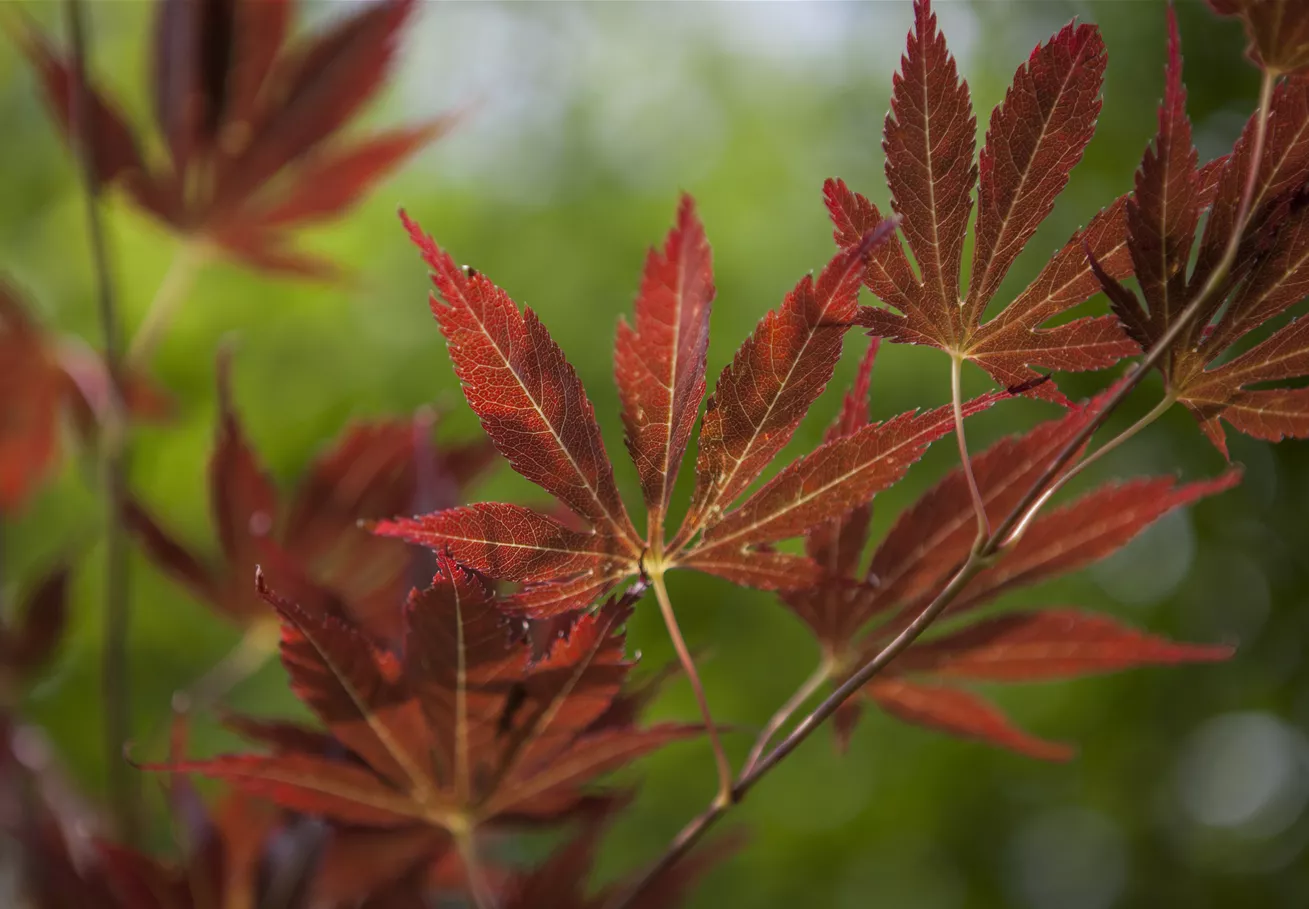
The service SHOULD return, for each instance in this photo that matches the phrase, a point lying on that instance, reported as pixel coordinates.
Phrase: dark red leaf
(462, 730)
(248, 123)
(1163, 212)
(1278, 32)
(929, 160)
(775, 377)
(1052, 644)
(1035, 139)
(659, 364)
(330, 183)
(528, 397)
(114, 146)
(960, 713)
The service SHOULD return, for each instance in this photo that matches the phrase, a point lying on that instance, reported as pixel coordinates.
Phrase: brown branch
(987, 550)
(121, 783)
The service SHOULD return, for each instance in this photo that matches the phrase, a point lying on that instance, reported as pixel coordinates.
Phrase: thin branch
(1163, 345)
(247, 657)
(965, 461)
(168, 299)
(816, 680)
(122, 783)
(982, 555)
(692, 832)
(688, 665)
(1165, 403)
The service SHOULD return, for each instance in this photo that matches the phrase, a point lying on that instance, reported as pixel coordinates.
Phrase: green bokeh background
(583, 123)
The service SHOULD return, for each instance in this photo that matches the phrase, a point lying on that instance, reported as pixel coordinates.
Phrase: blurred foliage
(583, 122)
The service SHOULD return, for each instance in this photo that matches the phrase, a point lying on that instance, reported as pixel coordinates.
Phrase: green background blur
(584, 122)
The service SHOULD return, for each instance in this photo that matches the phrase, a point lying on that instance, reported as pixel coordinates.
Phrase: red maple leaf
(1036, 137)
(535, 411)
(1270, 273)
(41, 378)
(248, 122)
(1278, 31)
(312, 546)
(532, 405)
(461, 730)
(854, 612)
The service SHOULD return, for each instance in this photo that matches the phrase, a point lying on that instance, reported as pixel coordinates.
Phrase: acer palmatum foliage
(1035, 138)
(452, 715)
(463, 728)
(309, 544)
(854, 611)
(1278, 31)
(44, 378)
(249, 120)
(1266, 278)
(536, 412)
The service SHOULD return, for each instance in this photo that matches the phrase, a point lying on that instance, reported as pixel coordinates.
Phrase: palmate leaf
(535, 411)
(854, 612)
(1036, 137)
(309, 543)
(1269, 276)
(42, 377)
(249, 120)
(461, 730)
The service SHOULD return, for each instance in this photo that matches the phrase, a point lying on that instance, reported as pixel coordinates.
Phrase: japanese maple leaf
(854, 612)
(311, 545)
(41, 379)
(534, 409)
(532, 405)
(248, 122)
(1036, 137)
(460, 730)
(1270, 274)
(1278, 31)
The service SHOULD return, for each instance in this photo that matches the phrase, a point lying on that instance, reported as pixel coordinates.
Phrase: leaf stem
(168, 299)
(1155, 413)
(816, 680)
(248, 655)
(120, 781)
(688, 665)
(479, 888)
(965, 461)
(984, 554)
(691, 833)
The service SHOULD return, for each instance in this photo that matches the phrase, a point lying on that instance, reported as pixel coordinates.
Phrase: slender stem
(1155, 413)
(816, 680)
(957, 401)
(688, 665)
(122, 784)
(5, 618)
(982, 555)
(168, 299)
(246, 658)
(479, 888)
(1163, 345)
(692, 832)
(1256, 159)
